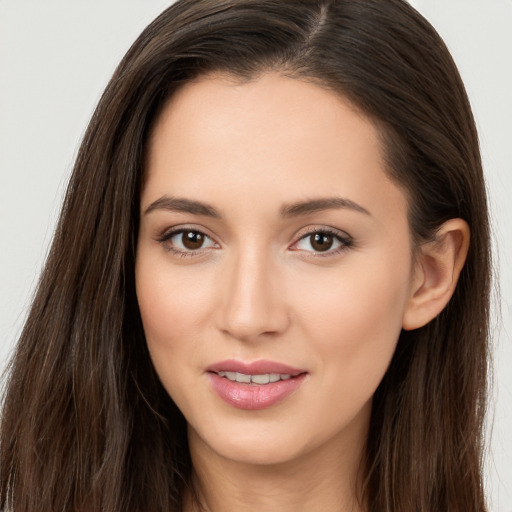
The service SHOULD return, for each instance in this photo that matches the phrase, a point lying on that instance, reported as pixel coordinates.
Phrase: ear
(438, 266)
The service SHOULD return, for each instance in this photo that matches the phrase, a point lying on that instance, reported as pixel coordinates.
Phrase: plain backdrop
(57, 56)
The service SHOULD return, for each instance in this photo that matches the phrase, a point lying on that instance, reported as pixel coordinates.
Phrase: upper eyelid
(167, 235)
(169, 232)
(343, 237)
(322, 229)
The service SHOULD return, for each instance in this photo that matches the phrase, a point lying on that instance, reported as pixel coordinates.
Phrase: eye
(322, 241)
(187, 241)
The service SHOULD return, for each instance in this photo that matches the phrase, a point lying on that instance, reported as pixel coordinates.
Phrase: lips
(256, 385)
(262, 379)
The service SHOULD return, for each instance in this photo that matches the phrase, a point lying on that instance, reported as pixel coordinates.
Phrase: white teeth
(241, 377)
(261, 379)
(255, 379)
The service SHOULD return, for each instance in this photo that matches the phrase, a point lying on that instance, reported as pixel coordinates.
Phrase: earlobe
(438, 266)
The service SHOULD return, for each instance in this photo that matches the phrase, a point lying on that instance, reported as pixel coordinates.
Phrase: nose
(252, 303)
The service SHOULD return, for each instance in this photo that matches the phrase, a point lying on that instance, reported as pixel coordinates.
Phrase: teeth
(261, 379)
(255, 379)
(241, 377)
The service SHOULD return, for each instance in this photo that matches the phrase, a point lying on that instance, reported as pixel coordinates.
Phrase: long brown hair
(87, 426)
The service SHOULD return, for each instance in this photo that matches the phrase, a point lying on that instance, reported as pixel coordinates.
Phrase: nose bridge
(253, 304)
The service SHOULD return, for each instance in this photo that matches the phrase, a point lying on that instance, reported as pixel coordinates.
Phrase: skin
(258, 289)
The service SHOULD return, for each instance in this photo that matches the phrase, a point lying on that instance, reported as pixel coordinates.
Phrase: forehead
(216, 106)
(273, 137)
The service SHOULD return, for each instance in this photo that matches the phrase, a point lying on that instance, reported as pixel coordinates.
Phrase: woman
(269, 285)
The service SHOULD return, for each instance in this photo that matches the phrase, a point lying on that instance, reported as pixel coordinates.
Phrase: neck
(327, 478)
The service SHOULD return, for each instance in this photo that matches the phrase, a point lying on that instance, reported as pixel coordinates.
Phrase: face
(274, 265)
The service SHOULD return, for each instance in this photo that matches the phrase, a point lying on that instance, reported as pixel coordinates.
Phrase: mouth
(256, 385)
(261, 379)
(257, 372)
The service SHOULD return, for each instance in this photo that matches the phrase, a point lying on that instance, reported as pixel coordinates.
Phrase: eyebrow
(317, 205)
(177, 204)
(291, 210)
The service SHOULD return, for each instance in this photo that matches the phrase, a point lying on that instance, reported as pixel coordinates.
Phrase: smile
(263, 379)
(256, 385)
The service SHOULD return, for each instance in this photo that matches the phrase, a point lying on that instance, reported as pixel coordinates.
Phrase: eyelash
(167, 236)
(344, 240)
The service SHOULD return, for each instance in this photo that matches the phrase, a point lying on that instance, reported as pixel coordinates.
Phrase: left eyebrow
(317, 205)
(179, 204)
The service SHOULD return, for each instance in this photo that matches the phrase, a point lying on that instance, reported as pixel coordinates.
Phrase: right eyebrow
(178, 204)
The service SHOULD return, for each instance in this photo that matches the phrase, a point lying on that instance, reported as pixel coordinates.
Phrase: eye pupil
(321, 241)
(192, 239)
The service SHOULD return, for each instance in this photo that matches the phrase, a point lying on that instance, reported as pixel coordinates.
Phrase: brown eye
(192, 240)
(187, 241)
(321, 241)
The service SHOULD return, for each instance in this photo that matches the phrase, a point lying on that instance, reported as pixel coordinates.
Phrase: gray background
(57, 56)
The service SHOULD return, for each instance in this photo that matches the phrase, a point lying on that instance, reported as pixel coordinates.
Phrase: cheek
(173, 306)
(354, 321)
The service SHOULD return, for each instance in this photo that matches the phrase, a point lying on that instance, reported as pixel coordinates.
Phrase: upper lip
(260, 367)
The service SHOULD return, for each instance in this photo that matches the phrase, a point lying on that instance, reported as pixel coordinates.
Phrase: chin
(260, 448)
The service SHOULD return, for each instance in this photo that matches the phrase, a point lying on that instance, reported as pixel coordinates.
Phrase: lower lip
(254, 396)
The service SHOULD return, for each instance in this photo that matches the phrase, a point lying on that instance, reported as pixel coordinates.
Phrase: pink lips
(253, 396)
